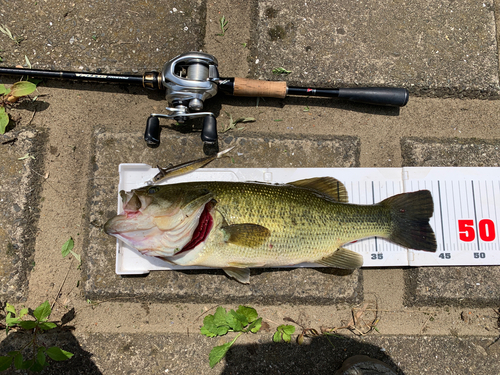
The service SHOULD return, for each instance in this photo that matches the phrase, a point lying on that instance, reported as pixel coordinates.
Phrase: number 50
(467, 233)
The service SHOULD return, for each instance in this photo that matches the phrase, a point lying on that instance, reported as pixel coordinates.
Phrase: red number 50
(467, 233)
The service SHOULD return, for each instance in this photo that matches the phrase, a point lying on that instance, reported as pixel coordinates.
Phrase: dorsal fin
(325, 185)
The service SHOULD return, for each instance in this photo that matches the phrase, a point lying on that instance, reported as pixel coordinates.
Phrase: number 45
(467, 232)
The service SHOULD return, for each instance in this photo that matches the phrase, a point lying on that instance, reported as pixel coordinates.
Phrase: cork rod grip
(254, 87)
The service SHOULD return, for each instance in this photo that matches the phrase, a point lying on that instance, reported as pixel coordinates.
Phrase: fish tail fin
(410, 214)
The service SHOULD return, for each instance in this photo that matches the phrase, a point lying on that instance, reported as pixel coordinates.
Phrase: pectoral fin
(248, 235)
(240, 274)
(342, 258)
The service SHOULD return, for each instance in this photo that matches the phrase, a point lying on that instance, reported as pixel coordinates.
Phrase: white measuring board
(466, 210)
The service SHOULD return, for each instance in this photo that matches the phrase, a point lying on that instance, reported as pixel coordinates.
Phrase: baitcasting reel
(191, 78)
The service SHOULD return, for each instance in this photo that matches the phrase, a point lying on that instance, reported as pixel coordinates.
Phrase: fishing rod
(191, 78)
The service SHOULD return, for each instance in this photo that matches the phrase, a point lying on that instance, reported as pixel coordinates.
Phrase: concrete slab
(108, 36)
(270, 286)
(21, 153)
(450, 152)
(477, 286)
(111, 353)
(443, 49)
(464, 286)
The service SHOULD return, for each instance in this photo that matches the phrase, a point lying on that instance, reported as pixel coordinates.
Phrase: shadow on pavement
(80, 363)
(323, 355)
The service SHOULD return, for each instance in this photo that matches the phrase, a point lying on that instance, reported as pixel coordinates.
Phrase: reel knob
(152, 133)
(209, 131)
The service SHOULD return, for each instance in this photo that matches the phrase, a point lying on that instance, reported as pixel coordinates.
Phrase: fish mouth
(149, 236)
(132, 205)
(133, 202)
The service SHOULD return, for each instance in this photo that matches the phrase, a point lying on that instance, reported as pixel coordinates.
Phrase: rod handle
(255, 88)
(390, 96)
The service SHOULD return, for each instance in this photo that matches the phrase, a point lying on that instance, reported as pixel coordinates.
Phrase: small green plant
(37, 326)
(245, 319)
(7, 32)
(283, 332)
(67, 248)
(232, 123)
(223, 26)
(10, 96)
(281, 71)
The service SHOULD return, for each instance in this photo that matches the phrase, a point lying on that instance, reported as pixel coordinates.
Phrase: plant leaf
(255, 326)
(36, 367)
(27, 324)
(40, 356)
(26, 364)
(22, 88)
(209, 328)
(3, 90)
(240, 317)
(23, 312)
(28, 64)
(5, 363)
(280, 71)
(220, 316)
(4, 121)
(18, 361)
(77, 256)
(57, 354)
(11, 321)
(67, 247)
(236, 321)
(26, 157)
(47, 325)
(217, 353)
(43, 311)
(10, 308)
(277, 336)
(206, 332)
(286, 337)
(244, 119)
(288, 329)
(249, 312)
(222, 330)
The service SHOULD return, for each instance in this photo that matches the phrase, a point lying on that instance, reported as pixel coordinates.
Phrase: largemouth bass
(238, 225)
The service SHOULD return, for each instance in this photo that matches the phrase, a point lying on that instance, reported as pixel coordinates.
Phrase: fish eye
(153, 190)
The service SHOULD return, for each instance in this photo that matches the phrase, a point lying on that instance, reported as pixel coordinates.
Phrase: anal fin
(342, 258)
(240, 274)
